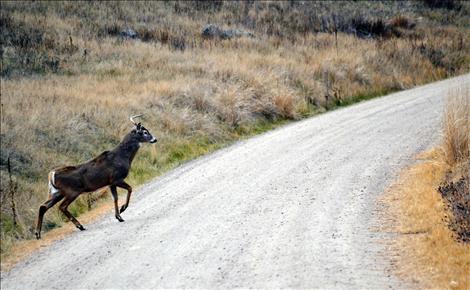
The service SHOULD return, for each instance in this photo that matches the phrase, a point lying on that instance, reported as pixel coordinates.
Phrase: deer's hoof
(38, 235)
(80, 227)
(119, 218)
(123, 208)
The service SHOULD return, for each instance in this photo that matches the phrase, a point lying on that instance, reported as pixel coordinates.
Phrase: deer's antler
(135, 116)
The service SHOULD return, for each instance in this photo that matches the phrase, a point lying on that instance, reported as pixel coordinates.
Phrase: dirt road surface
(294, 207)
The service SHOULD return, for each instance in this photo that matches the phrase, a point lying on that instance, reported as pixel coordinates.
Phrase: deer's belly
(95, 181)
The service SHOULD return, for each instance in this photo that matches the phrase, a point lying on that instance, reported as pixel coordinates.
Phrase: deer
(110, 168)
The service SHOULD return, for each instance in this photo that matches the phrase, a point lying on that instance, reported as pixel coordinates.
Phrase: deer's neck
(128, 148)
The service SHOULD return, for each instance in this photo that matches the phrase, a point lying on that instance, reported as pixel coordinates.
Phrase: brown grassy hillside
(70, 79)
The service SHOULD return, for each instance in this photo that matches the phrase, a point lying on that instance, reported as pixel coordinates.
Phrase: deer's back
(101, 171)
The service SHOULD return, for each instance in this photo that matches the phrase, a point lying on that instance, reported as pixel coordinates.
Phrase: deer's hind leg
(63, 207)
(55, 198)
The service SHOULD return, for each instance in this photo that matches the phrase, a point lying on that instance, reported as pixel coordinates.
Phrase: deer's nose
(154, 140)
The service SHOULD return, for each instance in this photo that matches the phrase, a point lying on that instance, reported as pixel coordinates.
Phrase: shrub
(447, 4)
(402, 22)
(364, 27)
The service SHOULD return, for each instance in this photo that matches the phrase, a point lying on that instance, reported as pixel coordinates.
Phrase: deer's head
(140, 133)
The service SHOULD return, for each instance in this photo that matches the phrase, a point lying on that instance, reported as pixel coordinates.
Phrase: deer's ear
(138, 126)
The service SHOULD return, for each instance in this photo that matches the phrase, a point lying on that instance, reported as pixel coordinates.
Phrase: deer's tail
(52, 188)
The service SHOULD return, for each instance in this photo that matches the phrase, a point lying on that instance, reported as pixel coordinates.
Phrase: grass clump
(456, 128)
(455, 189)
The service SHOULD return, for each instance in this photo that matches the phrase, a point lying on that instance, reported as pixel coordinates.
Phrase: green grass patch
(363, 97)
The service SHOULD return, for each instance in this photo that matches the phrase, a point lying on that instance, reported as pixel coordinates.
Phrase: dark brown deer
(110, 168)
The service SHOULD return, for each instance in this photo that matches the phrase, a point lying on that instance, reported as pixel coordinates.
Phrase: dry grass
(62, 106)
(457, 128)
(425, 250)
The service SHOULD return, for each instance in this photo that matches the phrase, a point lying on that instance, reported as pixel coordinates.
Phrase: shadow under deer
(110, 168)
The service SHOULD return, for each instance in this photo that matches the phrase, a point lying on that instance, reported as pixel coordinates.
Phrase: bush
(402, 21)
(447, 4)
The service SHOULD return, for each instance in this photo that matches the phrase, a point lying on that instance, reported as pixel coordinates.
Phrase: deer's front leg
(115, 197)
(126, 186)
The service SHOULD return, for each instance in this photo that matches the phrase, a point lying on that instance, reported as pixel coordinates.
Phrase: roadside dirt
(24, 249)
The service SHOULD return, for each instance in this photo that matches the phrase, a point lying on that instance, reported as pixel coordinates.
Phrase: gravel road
(294, 207)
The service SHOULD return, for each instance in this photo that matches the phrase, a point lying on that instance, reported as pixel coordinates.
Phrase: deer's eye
(145, 133)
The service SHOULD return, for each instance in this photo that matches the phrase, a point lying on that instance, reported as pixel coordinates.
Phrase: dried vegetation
(455, 189)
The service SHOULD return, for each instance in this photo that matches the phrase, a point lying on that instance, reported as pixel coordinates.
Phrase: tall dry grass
(456, 127)
(69, 81)
(455, 188)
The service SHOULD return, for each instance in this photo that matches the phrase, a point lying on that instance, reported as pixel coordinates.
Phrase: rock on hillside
(213, 31)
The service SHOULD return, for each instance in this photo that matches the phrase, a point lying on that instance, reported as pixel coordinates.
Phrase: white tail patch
(52, 188)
